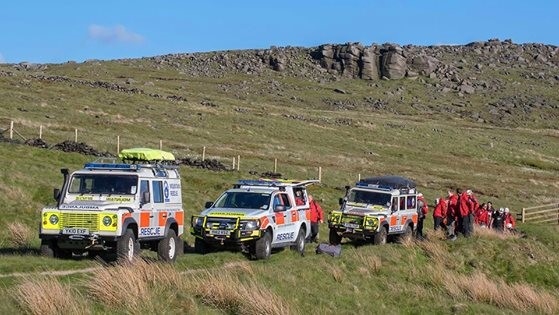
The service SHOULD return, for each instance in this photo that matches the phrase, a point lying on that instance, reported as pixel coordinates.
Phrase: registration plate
(351, 225)
(220, 232)
(75, 231)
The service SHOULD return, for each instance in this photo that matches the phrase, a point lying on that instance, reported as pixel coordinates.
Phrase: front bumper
(80, 242)
(225, 236)
(353, 232)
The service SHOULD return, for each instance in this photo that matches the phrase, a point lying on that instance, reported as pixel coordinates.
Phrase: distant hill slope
(495, 82)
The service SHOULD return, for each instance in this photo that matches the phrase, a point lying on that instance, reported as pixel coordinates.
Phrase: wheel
(406, 236)
(300, 242)
(47, 249)
(263, 246)
(200, 246)
(334, 238)
(127, 247)
(167, 248)
(380, 236)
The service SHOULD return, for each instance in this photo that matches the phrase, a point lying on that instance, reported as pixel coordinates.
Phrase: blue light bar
(257, 182)
(111, 166)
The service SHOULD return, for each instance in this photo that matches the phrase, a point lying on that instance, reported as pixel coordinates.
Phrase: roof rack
(388, 182)
(274, 182)
(146, 155)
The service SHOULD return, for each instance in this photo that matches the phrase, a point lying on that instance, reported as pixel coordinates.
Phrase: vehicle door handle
(151, 216)
(165, 215)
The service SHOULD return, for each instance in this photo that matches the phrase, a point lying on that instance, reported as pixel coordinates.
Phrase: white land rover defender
(117, 207)
(376, 208)
(256, 215)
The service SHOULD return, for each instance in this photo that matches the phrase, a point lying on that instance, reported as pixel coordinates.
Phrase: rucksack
(332, 250)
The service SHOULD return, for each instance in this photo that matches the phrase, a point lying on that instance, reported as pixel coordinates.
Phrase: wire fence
(230, 163)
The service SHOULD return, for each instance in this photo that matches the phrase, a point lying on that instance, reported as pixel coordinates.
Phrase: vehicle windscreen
(243, 200)
(369, 197)
(103, 184)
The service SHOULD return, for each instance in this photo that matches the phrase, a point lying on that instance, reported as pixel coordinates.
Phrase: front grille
(353, 219)
(221, 223)
(80, 220)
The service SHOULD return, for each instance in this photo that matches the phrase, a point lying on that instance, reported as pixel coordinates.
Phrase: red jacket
(425, 208)
(509, 219)
(441, 208)
(452, 210)
(482, 216)
(316, 211)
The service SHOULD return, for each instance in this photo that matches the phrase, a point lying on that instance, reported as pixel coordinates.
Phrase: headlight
(250, 225)
(53, 219)
(107, 221)
(371, 223)
(197, 221)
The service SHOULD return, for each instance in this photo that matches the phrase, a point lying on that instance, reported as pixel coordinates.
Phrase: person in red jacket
(439, 214)
(465, 205)
(510, 223)
(317, 217)
(451, 214)
(422, 210)
(482, 216)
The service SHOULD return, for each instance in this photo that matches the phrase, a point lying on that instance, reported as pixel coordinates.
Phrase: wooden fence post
(320, 173)
(160, 144)
(275, 165)
(76, 135)
(11, 130)
(523, 215)
(41, 132)
(233, 167)
(359, 177)
(203, 154)
(238, 162)
(117, 144)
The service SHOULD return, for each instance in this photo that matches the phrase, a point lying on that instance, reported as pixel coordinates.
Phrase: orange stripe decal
(125, 216)
(179, 216)
(393, 220)
(264, 222)
(294, 216)
(280, 219)
(308, 214)
(144, 219)
(162, 218)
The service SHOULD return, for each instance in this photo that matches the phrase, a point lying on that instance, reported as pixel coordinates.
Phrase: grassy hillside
(415, 131)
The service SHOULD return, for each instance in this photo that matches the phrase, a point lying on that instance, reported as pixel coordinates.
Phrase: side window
(144, 186)
(411, 202)
(277, 201)
(300, 197)
(285, 199)
(157, 186)
(394, 204)
(402, 203)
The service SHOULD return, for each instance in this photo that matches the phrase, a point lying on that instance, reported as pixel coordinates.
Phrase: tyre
(406, 236)
(263, 246)
(380, 236)
(127, 247)
(300, 242)
(334, 238)
(167, 248)
(47, 249)
(200, 246)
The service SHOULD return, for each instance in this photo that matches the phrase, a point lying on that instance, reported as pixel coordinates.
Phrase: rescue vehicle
(117, 207)
(374, 209)
(256, 215)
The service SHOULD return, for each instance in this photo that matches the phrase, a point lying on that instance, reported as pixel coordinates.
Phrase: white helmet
(507, 210)
(501, 209)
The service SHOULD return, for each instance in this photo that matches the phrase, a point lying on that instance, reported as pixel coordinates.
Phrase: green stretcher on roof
(145, 154)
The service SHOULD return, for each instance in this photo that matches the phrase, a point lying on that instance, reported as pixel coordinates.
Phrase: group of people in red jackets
(460, 211)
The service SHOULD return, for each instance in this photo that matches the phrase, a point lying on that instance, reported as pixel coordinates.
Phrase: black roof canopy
(393, 181)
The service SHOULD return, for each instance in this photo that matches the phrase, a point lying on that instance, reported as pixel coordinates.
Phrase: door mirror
(145, 197)
(56, 194)
(279, 208)
(341, 201)
(208, 204)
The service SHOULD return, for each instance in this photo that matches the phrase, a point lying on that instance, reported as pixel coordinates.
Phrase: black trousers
(314, 231)
(420, 227)
(466, 225)
(438, 223)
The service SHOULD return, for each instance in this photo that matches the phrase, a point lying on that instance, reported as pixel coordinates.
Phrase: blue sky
(58, 31)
